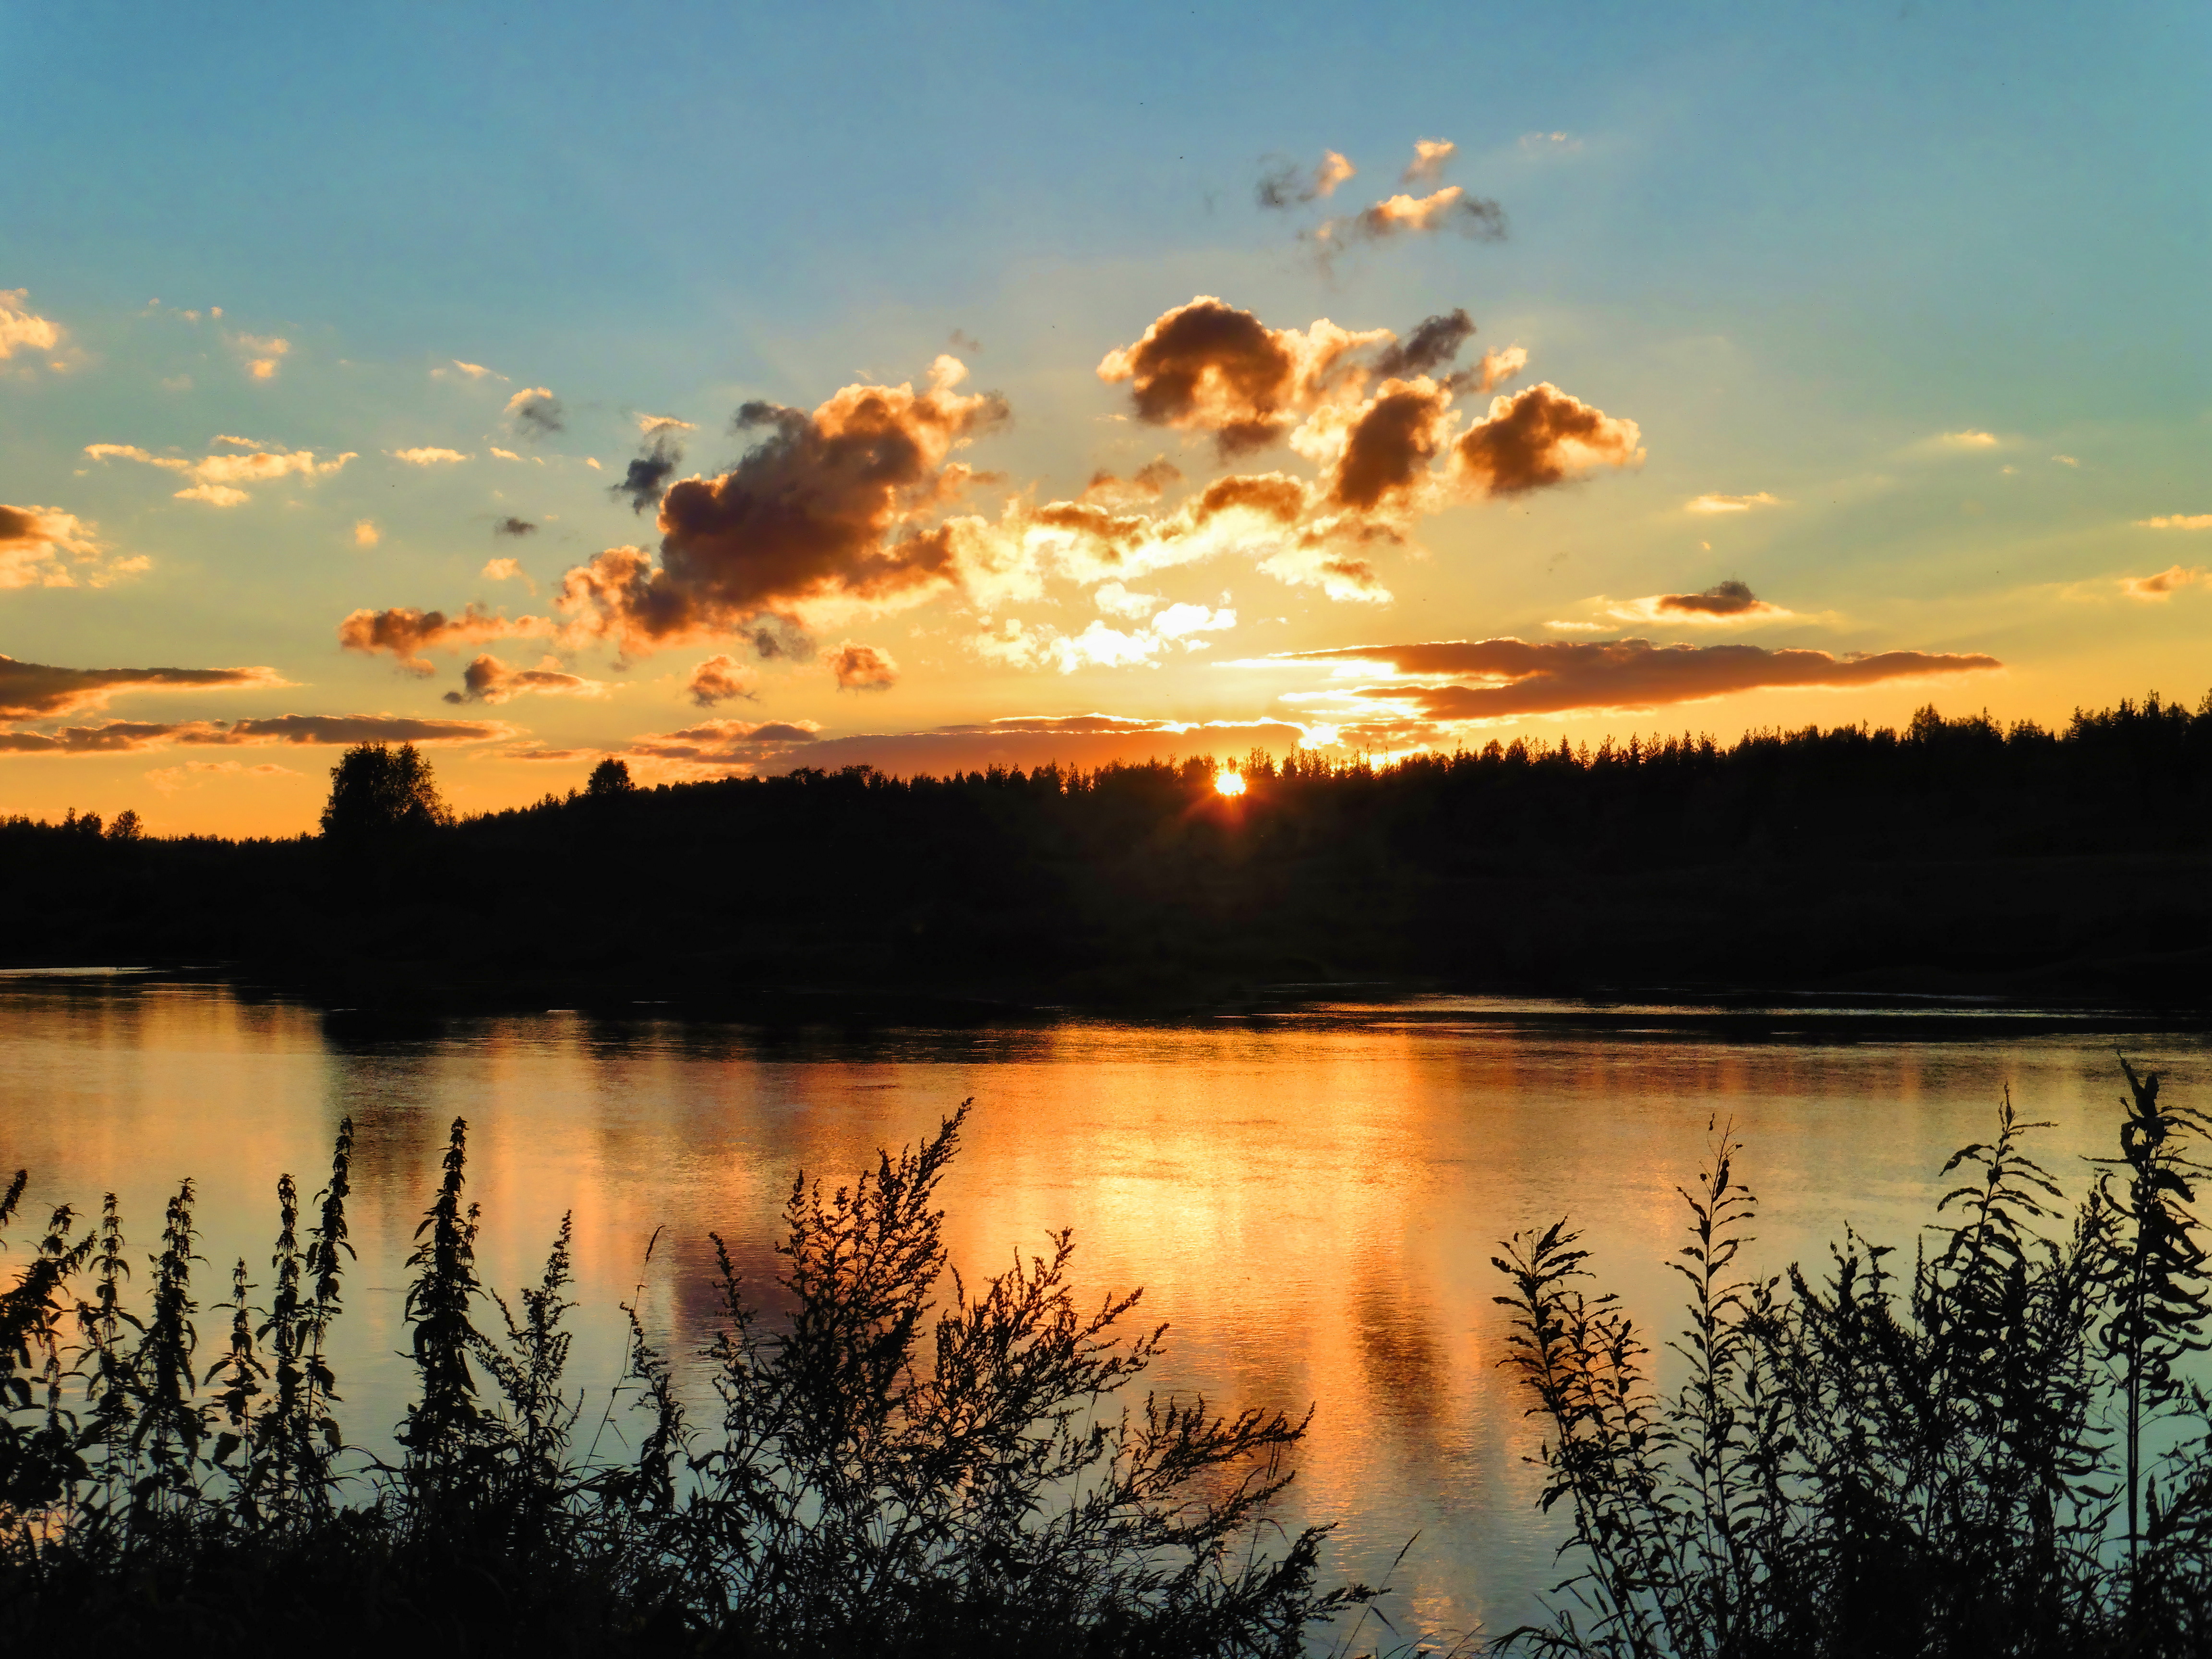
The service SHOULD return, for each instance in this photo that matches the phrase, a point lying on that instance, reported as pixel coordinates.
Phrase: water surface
(1310, 1197)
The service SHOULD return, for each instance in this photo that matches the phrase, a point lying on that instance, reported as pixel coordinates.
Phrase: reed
(1995, 1452)
(897, 1462)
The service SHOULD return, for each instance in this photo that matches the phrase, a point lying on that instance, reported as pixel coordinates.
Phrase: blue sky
(1795, 246)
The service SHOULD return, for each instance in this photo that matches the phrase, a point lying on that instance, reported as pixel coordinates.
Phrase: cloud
(1434, 343)
(1431, 156)
(426, 455)
(1451, 208)
(649, 470)
(720, 679)
(2065, 460)
(216, 478)
(827, 513)
(863, 668)
(1724, 604)
(722, 748)
(964, 343)
(170, 778)
(2165, 583)
(1376, 415)
(509, 455)
(2177, 522)
(1460, 681)
(507, 570)
(478, 371)
(1179, 620)
(20, 329)
(853, 509)
(650, 424)
(1147, 483)
(1116, 600)
(1283, 183)
(487, 679)
(407, 633)
(535, 412)
(43, 547)
(1015, 644)
(1730, 503)
(30, 690)
(717, 748)
(331, 731)
(262, 353)
(1540, 437)
(511, 526)
(1969, 441)
(1207, 367)
(1548, 143)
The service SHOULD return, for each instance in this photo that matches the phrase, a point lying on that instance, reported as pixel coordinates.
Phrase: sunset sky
(732, 388)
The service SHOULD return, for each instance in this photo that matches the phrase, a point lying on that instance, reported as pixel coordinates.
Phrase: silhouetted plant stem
(2162, 1305)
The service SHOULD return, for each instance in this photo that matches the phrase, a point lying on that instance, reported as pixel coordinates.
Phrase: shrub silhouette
(894, 1467)
(1943, 1461)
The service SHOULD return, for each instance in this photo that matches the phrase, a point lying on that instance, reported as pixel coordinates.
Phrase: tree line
(1954, 853)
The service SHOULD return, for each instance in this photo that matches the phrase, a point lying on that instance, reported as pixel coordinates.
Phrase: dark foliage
(378, 792)
(1950, 856)
(1943, 1463)
(901, 1463)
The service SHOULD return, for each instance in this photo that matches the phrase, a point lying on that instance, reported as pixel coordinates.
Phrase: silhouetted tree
(127, 827)
(376, 789)
(610, 777)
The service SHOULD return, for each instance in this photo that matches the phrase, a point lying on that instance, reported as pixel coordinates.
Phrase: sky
(730, 389)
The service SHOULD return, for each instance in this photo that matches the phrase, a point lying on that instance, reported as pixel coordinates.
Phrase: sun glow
(1229, 783)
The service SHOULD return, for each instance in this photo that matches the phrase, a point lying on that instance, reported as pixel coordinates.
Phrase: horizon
(1109, 389)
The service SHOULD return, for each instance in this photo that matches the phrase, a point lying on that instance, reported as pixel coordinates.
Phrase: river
(1310, 1192)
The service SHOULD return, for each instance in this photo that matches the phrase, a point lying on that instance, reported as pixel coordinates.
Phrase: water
(1310, 1197)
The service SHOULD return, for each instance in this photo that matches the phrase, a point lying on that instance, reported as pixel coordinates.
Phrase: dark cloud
(1556, 676)
(535, 412)
(406, 633)
(109, 737)
(298, 730)
(1209, 366)
(1147, 483)
(720, 679)
(329, 730)
(1434, 342)
(487, 679)
(863, 668)
(20, 525)
(720, 746)
(1729, 598)
(649, 471)
(964, 343)
(1389, 446)
(811, 514)
(1538, 437)
(1025, 741)
(31, 691)
(515, 528)
(1477, 217)
(1283, 183)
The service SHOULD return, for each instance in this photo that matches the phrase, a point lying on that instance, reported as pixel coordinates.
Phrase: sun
(1229, 783)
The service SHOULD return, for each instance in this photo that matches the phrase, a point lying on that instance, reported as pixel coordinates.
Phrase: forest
(1954, 857)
